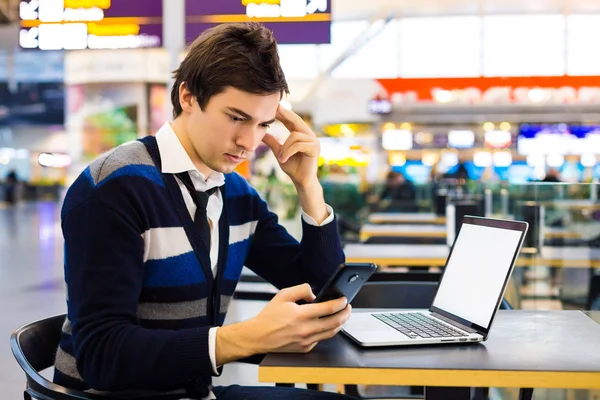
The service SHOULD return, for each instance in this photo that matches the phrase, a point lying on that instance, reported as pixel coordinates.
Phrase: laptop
(468, 295)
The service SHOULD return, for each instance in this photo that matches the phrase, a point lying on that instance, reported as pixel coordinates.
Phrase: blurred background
(426, 110)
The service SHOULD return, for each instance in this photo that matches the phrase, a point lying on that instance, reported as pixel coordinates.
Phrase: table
(525, 349)
(438, 231)
(560, 233)
(574, 204)
(407, 218)
(435, 256)
(402, 230)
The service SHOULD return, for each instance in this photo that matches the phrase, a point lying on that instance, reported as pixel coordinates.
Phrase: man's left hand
(299, 155)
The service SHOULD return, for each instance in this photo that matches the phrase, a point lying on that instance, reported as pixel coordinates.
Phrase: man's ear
(186, 99)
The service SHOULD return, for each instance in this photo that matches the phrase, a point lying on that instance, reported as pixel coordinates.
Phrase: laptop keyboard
(418, 325)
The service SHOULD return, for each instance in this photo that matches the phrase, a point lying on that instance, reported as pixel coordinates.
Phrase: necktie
(201, 200)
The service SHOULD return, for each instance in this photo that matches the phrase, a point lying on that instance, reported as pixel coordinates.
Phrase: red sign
(551, 89)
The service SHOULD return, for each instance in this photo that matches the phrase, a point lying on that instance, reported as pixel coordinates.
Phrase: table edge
(431, 377)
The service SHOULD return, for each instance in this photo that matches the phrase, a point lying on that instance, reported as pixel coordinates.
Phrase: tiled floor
(31, 287)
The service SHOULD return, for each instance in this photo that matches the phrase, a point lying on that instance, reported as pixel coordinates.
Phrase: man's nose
(249, 139)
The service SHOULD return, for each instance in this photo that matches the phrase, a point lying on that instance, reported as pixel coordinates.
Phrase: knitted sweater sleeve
(276, 256)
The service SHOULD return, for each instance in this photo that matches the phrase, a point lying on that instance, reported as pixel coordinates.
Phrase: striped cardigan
(141, 295)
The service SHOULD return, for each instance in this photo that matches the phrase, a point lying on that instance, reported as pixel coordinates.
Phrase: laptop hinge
(454, 323)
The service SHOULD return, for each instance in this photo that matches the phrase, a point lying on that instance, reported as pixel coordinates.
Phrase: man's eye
(236, 119)
(266, 126)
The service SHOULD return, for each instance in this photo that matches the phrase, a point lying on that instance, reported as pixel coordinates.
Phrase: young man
(157, 231)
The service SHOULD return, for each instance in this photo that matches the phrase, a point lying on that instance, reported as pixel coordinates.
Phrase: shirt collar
(174, 159)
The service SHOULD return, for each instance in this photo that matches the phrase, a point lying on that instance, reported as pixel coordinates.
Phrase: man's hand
(299, 155)
(299, 159)
(283, 326)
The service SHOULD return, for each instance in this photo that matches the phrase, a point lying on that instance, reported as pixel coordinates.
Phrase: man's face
(230, 128)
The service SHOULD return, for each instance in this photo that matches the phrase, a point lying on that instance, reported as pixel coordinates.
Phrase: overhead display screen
(558, 139)
(292, 21)
(32, 103)
(90, 24)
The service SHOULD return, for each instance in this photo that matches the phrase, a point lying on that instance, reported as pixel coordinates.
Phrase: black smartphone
(346, 281)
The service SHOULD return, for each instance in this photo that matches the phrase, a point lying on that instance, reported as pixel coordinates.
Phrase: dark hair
(240, 55)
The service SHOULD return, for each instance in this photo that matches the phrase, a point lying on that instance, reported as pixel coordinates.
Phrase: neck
(179, 127)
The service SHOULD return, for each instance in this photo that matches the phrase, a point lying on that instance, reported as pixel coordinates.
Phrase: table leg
(481, 394)
(525, 394)
(594, 290)
(447, 393)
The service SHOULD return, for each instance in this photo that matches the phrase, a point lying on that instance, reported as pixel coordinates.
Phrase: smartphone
(346, 281)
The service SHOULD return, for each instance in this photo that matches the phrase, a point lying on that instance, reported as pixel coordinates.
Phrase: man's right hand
(284, 326)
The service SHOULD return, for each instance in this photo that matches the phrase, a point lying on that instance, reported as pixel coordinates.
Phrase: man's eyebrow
(240, 112)
(248, 116)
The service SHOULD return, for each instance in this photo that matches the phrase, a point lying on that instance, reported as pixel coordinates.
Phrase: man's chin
(225, 168)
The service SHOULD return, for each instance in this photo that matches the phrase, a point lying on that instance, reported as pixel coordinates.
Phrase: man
(157, 231)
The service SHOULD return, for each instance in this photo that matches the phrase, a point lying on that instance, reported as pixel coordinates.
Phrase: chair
(408, 291)
(34, 347)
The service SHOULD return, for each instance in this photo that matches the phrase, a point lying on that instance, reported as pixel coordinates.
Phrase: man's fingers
(326, 328)
(297, 137)
(292, 121)
(307, 148)
(319, 310)
(334, 321)
(273, 144)
(296, 293)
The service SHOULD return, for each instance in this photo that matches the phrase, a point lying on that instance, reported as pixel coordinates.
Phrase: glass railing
(560, 263)
(564, 235)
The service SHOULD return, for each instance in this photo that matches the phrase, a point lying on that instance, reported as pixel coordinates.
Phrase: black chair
(397, 291)
(34, 347)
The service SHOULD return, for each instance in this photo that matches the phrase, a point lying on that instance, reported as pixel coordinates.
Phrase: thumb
(296, 293)
(273, 144)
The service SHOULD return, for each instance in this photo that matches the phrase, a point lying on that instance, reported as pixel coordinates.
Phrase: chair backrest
(400, 294)
(34, 347)
(386, 294)
(36, 343)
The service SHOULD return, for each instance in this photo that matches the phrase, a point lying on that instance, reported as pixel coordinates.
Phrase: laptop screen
(476, 272)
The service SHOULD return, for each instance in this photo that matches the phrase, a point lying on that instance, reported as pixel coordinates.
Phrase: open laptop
(469, 293)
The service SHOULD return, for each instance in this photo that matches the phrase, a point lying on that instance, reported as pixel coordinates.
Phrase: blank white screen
(476, 272)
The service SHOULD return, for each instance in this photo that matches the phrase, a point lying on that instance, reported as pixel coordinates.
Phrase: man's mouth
(235, 158)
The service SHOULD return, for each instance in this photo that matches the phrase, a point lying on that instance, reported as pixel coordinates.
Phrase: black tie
(201, 200)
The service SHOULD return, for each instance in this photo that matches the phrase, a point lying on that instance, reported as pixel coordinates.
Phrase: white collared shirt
(174, 160)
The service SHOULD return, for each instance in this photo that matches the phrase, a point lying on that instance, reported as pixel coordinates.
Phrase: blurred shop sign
(126, 65)
(494, 91)
(90, 24)
(380, 105)
(292, 21)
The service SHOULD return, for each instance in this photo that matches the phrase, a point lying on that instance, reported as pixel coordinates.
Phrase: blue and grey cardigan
(141, 295)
